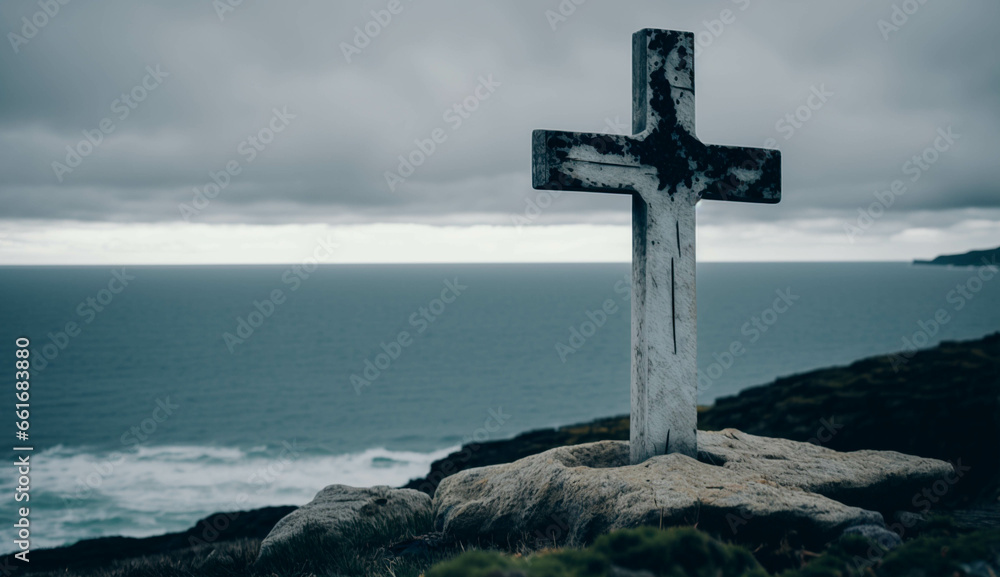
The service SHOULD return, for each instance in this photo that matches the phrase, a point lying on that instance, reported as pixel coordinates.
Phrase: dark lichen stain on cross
(677, 156)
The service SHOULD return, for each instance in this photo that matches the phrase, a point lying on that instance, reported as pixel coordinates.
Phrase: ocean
(162, 394)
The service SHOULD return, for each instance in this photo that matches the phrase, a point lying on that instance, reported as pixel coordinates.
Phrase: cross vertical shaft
(664, 337)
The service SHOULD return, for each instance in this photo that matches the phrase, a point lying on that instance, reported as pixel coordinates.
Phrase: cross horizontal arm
(585, 162)
(752, 174)
(664, 155)
(588, 162)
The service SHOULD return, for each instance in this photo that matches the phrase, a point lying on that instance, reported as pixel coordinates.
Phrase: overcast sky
(180, 88)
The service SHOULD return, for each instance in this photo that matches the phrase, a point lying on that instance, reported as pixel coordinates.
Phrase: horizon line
(403, 263)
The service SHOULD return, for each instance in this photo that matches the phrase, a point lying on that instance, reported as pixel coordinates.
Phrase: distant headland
(971, 258)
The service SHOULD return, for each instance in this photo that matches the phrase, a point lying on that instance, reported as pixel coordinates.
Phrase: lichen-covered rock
(879, 480)
(342, 517)
(877, 535)
(743, 487)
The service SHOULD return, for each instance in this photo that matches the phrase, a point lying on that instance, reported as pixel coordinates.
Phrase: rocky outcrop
(883, 481)
(876, 535)
(342, 518)
(742, 486)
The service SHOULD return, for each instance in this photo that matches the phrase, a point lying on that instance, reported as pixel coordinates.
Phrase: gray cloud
(352, 120)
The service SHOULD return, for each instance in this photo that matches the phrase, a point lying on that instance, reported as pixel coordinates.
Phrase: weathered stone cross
(666, 170)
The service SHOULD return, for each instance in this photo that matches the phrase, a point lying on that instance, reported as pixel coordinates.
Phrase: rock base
(742, 487)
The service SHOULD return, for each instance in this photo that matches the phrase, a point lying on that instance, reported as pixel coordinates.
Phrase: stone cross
(666, 170)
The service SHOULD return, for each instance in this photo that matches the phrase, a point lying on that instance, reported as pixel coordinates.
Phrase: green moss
(684, 552)
(941, 552)
(677, 552)
(944, 554)
(478, 564)
(848, 557)
(569, 563)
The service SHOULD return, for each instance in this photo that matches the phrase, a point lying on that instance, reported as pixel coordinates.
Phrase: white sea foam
(153, 490)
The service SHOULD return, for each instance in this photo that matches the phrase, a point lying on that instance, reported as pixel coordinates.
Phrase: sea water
(162, 394)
